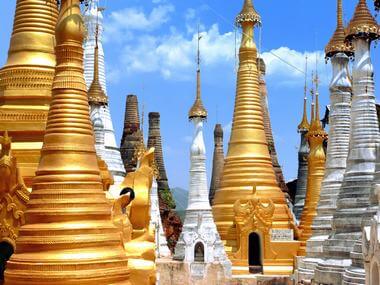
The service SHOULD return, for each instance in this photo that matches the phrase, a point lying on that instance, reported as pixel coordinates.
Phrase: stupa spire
(198, 110)
(336, 154)
(96, 94)
(304, 125)
(200, 248)
(316, 170)
(337, 42)
(69, 218)
(248, 172)
(343, 248)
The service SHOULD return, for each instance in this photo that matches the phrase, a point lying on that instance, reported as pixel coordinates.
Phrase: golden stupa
(26, 81)
(316, 171)
(68, 236)
(267, 238)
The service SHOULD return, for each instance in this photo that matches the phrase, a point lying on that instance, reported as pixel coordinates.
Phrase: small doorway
(254, 254)
(199, 252)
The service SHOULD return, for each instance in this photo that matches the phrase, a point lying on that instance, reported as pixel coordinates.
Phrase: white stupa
(199, 243)
(105, 143)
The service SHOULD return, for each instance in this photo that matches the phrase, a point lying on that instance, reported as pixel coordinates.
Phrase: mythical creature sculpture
(131, 213)
(13, 193)
(13, 199)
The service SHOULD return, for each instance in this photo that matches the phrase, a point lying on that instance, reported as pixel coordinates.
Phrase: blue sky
(150, 50)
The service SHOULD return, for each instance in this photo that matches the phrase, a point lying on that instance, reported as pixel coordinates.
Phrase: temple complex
(268, 127)
(315, 172)
(105, 142)
(249, 208)
(68, 230)
(339, 136)
(217, 161)
(303, 153)
(199, 243)
(132, 135)
(355, 203)
(26, 81)
(171, 222)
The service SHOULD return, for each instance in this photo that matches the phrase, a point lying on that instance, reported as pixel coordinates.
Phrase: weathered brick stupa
(250, 210)
(303, 153)
(337, 150)
(268, 128)
(354, 200)
(68, 236)
(217, 161)
(105, 142)
(199, 243)
(26, 81)
(132, 135)
(171, 222)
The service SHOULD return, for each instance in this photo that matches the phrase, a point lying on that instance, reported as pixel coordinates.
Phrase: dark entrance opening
(254, 254)
(199, 252)
(6, 250)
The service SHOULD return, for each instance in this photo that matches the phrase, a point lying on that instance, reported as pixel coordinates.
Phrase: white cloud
(120, 23)
(173, 55)
(288, 65)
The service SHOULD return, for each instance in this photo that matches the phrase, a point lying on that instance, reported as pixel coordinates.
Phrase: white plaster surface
(106, 148)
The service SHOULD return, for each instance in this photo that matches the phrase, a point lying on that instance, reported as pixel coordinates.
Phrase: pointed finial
(312, 98)
(96, 94)
(337, 43)
(304, 125)
(198, 110)
(363, 24)
(316, 127)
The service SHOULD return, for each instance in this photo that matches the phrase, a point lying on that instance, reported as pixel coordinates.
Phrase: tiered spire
(96, 94)
(198, 110)
(363, 24)
(68, 231)
(248, 171)
(337, 43)
(336, 155)
(316, 169)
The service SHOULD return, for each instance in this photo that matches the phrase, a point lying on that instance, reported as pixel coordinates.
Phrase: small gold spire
(337, 42)
(316, 125)
(304, 125)
(96, 93)
(363, 24)
(198, 110)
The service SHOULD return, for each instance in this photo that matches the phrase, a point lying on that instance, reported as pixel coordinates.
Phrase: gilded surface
(26, 81)
(68, 236)
(248, 161)
(138, 234)
(316, 171)
(13, 193)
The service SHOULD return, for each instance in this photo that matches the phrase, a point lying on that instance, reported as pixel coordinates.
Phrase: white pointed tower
(94, 70)
(199, 241)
